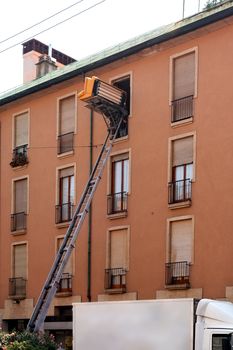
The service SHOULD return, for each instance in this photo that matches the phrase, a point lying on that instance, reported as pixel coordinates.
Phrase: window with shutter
(183, 86)
(20, 261)
(20, 140)
(65, 285)
(64, 209)
(117, 200)
(118, 252)
(18, 218)
(182, 170)
(66, 124)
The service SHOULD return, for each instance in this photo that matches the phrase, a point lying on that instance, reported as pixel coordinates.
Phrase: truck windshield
(221, 342)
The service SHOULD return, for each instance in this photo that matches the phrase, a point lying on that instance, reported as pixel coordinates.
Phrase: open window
(64, 208)
(123, 83)
(65, 285)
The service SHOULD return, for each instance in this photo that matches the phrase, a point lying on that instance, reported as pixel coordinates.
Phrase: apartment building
(160, 225)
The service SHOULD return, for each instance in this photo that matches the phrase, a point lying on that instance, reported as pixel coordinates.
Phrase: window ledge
(182, 122)
(184, 204)
(115, 290)
(63, 224)
(121, 139)
(17, 297)
(122, 214)
(19, 232)
(20, 167)
(66, 154)
(63, 294)
(178, 286)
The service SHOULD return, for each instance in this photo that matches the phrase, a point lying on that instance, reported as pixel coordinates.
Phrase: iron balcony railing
(177, 273)
(64, 212)
(115, 278)
(19, 157)
(179, 191)
(18, 221)
(117, 203)
(17, 288)
(182, 108)
(65, 143)
(65, 284)
(123, 131)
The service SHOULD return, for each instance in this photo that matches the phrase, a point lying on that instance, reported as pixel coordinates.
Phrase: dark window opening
(124, 84)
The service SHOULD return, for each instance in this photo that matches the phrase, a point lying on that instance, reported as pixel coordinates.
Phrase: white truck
(165, 324)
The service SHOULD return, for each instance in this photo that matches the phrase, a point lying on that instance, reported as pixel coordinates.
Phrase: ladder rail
(50, 287)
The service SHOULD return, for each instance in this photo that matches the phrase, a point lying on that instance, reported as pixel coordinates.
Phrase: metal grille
(177, 273)
(179, 191)
(17, 287)
(64, 212)
(115, 278)
(65, 284)
(182, 108)
(117, 202)
(18, 221)
(65, 143)
(19, 157)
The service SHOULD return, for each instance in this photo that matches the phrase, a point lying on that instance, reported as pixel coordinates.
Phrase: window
(20, 140)
(118, 250)
(179, 252)
(66, 127)
(221, 342)
(65, 285)
(17, 284)
(18, 218)
(182, 170)
(123, 83)
(117, 200)
(64, 210)
(183, 88)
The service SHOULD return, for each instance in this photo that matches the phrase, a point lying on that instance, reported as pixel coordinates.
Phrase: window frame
(12, 257)
(13, 193)
(27, 110)
(108, 245)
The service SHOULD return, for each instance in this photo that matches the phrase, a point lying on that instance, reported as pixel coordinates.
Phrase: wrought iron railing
(115, 278)
(18, 221)
(65, 143)
(63, 212)
(65, 284)
(17, 287)
(179, 191)
(123, 131)
(177, 273)
(19, 157)
(117, 203)
(182, 108)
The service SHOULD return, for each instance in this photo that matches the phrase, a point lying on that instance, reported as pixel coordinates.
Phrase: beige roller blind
(20, 260)
(66, 172)
(68, 267)
(21, 129)
(118, 249)
(20, 187)
(67, 115)
(181, 241)
(182, 151)
(184, 76)
(121, 156)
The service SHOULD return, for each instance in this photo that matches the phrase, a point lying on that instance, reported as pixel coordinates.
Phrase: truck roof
(216, 310)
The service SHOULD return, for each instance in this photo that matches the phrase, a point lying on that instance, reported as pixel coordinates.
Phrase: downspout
(90, 215)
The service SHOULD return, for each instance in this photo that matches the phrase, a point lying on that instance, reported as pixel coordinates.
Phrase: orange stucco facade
(148, 216)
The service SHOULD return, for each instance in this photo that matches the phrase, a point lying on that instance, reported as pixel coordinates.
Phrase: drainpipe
(90, 215)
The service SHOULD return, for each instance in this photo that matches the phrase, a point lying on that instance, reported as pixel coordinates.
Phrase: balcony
(117, 203)
(115, 280)
(177, 275)
(63, 212)
(182, 109)
(18, 221)
(179, 191)
(19, 157)
(65, 285)
(65, 143)
(17, 288)
(123, 131)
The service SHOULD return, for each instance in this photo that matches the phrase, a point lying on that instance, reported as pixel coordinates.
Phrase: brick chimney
(36, 61)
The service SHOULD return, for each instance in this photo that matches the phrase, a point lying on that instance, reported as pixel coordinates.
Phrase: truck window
(221, 342)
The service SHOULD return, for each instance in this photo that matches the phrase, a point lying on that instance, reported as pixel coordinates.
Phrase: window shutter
(20, 196)
(67, 115)
(182, 151)
(68, 267)
(181, 241)
(66, 172)
(21, 129)
(184, 76)
(118, 249)
(20, 260)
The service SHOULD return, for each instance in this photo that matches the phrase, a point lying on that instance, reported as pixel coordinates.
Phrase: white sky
(107, 24)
